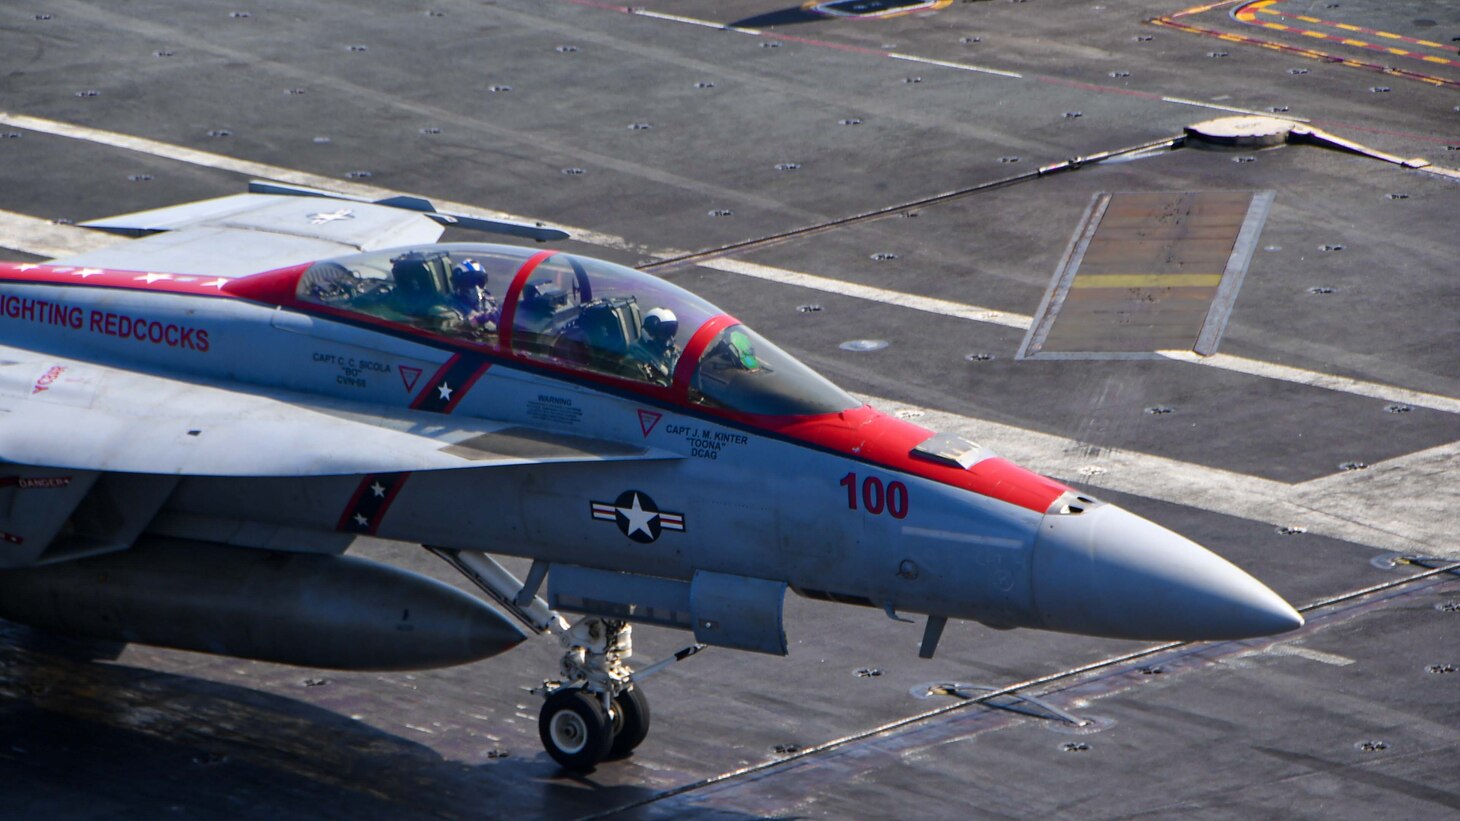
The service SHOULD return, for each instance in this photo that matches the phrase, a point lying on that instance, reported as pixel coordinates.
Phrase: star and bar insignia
(637, 516)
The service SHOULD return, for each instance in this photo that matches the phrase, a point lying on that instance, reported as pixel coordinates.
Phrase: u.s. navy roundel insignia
(324, 217)
(637, 516)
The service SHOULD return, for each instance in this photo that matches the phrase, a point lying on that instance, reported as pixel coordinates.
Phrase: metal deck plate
(1148, 272)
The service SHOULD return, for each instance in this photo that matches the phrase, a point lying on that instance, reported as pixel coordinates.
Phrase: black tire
(574, 729)
(630, 722)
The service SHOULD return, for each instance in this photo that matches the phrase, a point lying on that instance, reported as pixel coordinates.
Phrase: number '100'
(875, 497)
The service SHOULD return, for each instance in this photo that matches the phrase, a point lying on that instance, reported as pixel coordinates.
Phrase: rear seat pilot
(655, 350)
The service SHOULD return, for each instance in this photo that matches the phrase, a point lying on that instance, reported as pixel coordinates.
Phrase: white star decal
(151, 278)
(27, 266)
(445, 391)
(217, 283)
(331, 216)
(361, 520)
(378, 489)
(639, 518)
(86, 272)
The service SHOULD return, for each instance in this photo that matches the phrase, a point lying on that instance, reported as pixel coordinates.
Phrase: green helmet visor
(744, 350)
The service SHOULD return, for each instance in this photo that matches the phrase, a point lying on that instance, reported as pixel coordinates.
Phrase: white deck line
(1316, 379)
(928, 61)
(48, 239)
(1394, 505)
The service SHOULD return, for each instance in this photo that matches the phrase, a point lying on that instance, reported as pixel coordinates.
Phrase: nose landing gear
(597, 711)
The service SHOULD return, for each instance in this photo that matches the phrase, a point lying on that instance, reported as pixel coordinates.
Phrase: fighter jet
(198, 423)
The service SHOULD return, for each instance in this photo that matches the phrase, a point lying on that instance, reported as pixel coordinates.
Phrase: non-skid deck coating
(656, 131)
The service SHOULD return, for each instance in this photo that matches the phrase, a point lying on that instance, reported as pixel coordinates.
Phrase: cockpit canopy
(576, 313)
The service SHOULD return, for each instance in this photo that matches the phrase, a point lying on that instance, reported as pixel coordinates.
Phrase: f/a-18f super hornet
(198, 423)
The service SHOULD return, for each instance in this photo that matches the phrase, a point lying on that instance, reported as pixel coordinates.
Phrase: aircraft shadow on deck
(784, 17)
(151, 741)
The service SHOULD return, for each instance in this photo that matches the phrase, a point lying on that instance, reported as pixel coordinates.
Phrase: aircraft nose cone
(1109, 572)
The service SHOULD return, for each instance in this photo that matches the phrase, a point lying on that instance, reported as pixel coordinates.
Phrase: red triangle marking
(408, 376)
(647, 421)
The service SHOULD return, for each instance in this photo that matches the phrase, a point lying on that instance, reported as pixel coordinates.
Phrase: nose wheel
(578, 733)
(630, 722)
(574, 728)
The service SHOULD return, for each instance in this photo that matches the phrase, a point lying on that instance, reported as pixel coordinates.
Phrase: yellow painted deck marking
(1146, 281)
(1246, 14)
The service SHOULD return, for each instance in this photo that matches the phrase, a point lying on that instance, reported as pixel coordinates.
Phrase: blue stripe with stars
(440, 395)
(372, 498)
(450, 383)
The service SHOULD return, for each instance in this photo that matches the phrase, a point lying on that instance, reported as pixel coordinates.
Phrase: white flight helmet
(661, 324)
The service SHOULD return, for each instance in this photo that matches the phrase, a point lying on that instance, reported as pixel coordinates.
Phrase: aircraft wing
(81, 416)
(274, 226)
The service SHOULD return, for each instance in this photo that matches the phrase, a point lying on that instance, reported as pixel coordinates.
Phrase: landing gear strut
(595, 712)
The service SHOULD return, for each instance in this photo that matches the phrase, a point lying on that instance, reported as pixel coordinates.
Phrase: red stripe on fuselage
(879, 439)
(34, 273)
(277, 287)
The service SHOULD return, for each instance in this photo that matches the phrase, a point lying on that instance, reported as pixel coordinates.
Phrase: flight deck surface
(890, 199)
